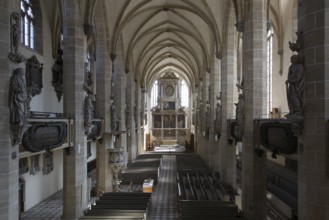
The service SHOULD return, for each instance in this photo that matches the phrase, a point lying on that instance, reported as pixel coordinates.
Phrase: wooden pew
(120, 205)
(207, 210)
(110, 218)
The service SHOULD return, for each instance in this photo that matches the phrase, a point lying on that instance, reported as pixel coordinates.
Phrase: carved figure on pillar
(295, 85)
(206, 121)
(295, 91)
(88, 105)
(15, 24)
(19, 101)
(240, 114)
(218, 120)
(88, 113)
(57, 70)
(136, 115)
(193, 116)
(127, 113)
(114, 122)
(89, 82)
(200, 116)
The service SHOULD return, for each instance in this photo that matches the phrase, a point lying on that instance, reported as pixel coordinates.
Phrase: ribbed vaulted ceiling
(160, 35)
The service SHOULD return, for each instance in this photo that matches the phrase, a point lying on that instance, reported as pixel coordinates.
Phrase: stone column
(120, 101)
(141, 116)
(199, 136)
(139, 132)
(103, 102)
(133, 134)
(254, 75)
(131, 139)
(214, 147)
(313, 169)
(229, 96)
(9, 208)
(206, 105)
(75, 164)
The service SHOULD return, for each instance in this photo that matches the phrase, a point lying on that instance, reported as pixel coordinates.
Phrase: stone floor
(164, 206)
(164, 196)
(49, 209)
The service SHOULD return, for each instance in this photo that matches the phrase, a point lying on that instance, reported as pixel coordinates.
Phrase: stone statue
(240, 116)
(14, 55)
(16, 30)
(57, 70)
(19, 101)
(295, 85)
(207, 120)
(88, 113)
(114, 123)
(89, 82)
(193, 116)
(136, 115)
(127, 113)
(218, 119)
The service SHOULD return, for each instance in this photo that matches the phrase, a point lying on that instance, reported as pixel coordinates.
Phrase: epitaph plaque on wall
(34, 75)
(44, 135)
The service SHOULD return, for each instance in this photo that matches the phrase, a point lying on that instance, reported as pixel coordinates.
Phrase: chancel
(164, 109)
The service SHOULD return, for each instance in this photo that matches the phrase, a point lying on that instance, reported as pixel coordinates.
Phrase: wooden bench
(111, 218)
(207, 209)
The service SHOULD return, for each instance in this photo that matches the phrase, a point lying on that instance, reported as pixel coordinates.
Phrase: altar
(170, 148)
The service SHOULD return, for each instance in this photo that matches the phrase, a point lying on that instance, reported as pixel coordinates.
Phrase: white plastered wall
(38, 187)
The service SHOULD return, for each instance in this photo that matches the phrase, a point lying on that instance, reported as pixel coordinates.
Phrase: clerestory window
(269, 69)
(27, 24)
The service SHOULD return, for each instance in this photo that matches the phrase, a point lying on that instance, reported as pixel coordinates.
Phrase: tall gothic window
(154, 94)
(184, 94)
(27, 24)
(269, 69)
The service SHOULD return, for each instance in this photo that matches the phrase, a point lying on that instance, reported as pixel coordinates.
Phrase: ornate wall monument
(34, 75)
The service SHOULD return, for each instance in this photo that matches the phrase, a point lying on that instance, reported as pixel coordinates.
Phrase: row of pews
(201, 195)
(210, 210)
(145, 166)
(120, 205)
(200, 185)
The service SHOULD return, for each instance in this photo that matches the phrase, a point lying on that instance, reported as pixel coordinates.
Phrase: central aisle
(164, 197)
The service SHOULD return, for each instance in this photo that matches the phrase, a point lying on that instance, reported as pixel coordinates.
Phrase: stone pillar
(229, 96)
(313, 169)
(120, 100)
(103, 102)
(141, 116)
(206, 105)
(214, 147)
(9, 208)
(75, 164)
(199, 136)
(254, 75)
(133, 134)
(139, 132)
(131, 139)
